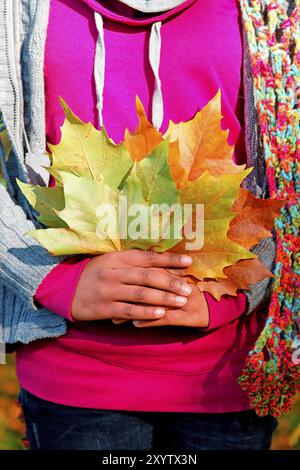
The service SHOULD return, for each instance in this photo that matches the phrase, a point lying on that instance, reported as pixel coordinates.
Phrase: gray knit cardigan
(23, 262)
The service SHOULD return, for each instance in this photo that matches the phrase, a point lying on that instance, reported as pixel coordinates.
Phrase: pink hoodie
(98, 364)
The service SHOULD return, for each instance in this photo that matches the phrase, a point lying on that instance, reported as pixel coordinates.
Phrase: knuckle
(146, 275)
(114, 272)
(139, 293)
(166, 296)
(127, 311)
(173, 283)
(152, 256)
(100, 274)
(174, 258)
(107, 255)
(146, 311)
(131, 255)
(99, 313)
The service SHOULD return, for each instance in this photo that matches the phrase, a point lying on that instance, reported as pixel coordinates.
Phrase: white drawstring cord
(99, 65)
(154, 59)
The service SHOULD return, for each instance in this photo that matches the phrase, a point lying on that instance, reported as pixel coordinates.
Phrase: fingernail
(159, 312)
(180, 300)
(186, 259)
(186, 288)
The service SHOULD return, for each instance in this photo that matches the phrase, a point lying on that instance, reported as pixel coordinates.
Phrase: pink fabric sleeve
(225, 310)
(57, 289)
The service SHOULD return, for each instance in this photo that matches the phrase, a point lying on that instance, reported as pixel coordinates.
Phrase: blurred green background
(287, 436)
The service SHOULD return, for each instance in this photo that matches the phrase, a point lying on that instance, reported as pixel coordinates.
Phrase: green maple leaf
(46, 201)
(133, 191)
(154, 174)
(92, 231)
(86, 151)
(83, 197)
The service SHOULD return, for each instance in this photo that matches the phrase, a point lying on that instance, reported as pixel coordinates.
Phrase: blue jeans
(58, 427)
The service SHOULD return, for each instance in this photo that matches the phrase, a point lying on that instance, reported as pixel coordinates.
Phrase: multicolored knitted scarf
(271, 375)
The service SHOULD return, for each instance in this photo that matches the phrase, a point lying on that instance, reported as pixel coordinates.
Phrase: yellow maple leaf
(217, 194)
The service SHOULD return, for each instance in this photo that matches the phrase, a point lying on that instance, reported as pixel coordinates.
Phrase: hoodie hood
(150, 6)
(154, 13)
(153, 10)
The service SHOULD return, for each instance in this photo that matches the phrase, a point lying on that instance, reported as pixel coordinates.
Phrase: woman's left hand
(194, 313)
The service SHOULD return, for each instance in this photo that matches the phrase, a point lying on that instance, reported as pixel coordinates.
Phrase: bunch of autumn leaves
(190, 164)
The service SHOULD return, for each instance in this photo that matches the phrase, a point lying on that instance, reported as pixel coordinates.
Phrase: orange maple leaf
(203, 144)
(253, 222)
(143, 140)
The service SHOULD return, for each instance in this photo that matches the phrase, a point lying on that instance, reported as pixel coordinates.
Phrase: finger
(152, 258)
(165, 321)
(176, 317)
(157, 278)
(146, 295)
(176, 271)
(136, 312)
(150, 323)
(118, 321)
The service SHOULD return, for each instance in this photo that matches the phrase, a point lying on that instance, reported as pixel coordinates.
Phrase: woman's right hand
(130, 285)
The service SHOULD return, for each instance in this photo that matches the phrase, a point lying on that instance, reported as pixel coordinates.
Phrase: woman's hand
(194, 313)
(130, 285)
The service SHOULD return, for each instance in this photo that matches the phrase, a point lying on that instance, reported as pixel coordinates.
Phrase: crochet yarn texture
(271, 375)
